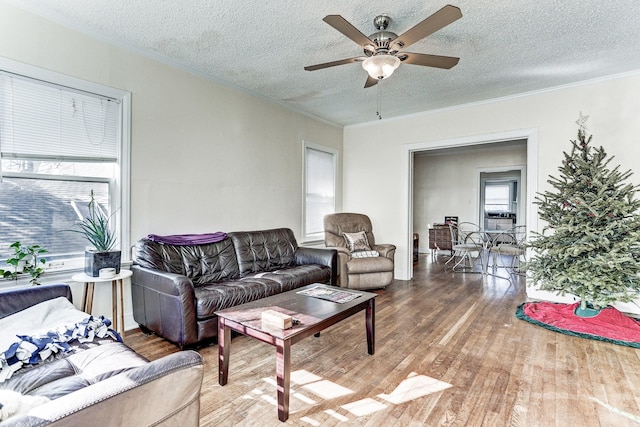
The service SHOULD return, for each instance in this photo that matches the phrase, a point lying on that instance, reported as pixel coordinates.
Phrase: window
(319, 189)
(497, 197)
(60, 139)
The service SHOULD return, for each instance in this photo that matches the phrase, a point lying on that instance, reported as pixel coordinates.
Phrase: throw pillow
(357, 241)
(364, 254)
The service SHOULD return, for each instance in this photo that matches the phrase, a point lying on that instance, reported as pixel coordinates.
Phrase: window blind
(43, 121)
(320, 189)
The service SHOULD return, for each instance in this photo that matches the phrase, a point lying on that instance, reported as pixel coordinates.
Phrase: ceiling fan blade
(370, 82)
(333, 63)
(345, 27)
(435, 22)
(436, 61)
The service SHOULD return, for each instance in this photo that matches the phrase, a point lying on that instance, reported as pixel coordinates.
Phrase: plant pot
(588, 311)
(94, 261)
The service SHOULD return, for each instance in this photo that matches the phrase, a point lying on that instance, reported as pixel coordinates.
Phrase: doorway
(469, 206)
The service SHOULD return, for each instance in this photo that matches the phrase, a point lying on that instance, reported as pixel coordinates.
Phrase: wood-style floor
(449, 352)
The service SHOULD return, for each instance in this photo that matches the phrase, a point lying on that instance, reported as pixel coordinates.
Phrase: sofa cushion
(265, 250)
(300, 275)
(201, 263)
(75, 371)
(217, 296)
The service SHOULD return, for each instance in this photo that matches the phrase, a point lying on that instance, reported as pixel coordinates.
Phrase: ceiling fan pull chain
(379, 106)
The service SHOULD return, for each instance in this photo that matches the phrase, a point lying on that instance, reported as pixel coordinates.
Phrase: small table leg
(114, 305)
(283, 375)
(121, 323)
(224, 343)
(87, 297)
(370, 321)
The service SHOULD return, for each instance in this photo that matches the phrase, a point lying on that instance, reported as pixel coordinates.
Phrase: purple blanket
(189, 239)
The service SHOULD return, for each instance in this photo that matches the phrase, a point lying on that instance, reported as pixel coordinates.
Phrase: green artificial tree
(590, 245)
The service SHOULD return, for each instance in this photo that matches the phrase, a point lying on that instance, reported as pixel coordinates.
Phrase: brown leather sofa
(176, 289)
(370, 272)
(103, 385)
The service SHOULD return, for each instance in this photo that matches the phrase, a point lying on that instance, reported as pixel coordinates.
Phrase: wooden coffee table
(314, 315)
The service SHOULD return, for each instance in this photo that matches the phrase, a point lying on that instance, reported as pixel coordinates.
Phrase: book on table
(329, 294)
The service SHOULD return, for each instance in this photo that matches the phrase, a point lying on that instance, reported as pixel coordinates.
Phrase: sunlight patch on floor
(310, 421)
(363, 407)
(414, 387)
(327, 389)
(633, 417)
(336, 415)
(303, 377)
(303, 398)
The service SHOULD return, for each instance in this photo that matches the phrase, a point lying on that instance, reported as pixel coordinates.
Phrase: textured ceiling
(506, 47)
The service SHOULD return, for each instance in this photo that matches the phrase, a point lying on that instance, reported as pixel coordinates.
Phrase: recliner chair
(362, 264)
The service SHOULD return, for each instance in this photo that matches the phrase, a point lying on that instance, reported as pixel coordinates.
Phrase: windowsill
(313, 243)
(50, 277)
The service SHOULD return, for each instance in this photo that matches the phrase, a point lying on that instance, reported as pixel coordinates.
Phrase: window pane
(496, 197)
(41, 212)
(320, 191)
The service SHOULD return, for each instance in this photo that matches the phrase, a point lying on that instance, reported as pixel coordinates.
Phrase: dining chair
(467, 245)
(508, 251)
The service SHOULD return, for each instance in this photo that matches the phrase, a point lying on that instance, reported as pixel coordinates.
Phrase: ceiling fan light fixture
(380, 66)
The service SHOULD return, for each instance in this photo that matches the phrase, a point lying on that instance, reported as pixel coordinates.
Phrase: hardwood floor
(449, 352)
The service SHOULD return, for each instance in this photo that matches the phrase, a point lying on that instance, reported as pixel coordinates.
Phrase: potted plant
(96, 228)
(25, 260)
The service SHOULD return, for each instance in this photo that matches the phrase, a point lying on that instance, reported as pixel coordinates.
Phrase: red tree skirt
(609, 325)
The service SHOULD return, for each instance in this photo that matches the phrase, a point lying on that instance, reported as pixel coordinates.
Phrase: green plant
(27, 257)
(96, 227)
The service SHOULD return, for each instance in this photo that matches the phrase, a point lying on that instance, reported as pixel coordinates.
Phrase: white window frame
(120, 188)
(308, 236)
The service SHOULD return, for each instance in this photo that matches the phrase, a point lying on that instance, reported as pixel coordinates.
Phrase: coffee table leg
(224, 343)
(371, 326)
(283, 374)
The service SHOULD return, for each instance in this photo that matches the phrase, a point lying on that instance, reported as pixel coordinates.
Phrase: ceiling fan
(383, 49)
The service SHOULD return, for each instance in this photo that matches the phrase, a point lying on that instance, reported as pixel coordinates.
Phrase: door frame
(405, 261)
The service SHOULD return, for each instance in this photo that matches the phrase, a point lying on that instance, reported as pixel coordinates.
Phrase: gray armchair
(362, 264)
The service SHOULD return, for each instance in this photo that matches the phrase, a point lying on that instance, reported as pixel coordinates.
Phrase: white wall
(374, 160)
(205, 157)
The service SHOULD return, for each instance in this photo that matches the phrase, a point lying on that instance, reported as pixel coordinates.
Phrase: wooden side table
(440, 240)
(117, 304)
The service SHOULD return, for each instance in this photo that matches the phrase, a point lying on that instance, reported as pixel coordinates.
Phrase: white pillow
(364, 254)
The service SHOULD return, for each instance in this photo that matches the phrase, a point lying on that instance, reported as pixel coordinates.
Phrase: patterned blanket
(43, 330)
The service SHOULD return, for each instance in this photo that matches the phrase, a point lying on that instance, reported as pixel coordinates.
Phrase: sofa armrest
(165, 391)
(320, 256)
(343, 255)
(385, 250)
(164, 303)
(14, 300)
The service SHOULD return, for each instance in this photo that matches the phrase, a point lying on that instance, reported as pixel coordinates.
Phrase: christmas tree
(590, 245)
